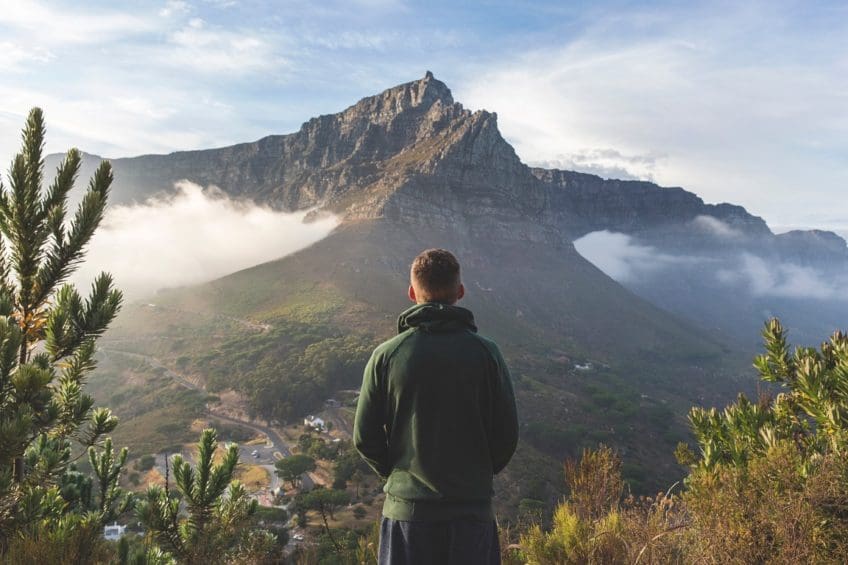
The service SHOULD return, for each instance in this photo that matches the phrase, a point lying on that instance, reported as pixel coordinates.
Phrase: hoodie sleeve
(504, 438)
(369, 430)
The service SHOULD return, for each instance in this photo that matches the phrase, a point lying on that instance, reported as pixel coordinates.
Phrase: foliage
(291, 368)
(156, 412)
(353, 548)
(146, 462)
(770, 484)
(349, 466)
(47, 345)
(217, 524)
(317, 447)
(595, 482)
(325, 502)
(812, 412)
(291, 468)
(596, 525)
(774, 509)
(272, 514)
(772, 480)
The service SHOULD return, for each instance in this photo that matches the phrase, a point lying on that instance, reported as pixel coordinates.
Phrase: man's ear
(461, 292)
(411, 294)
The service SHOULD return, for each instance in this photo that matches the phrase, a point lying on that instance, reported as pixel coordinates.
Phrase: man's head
(434, 277)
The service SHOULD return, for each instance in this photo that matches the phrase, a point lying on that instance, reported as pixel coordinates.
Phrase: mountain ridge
(415, 156)
(400, 128)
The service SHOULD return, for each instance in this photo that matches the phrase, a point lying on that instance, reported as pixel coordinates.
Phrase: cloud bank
(617, 255)
(628, 262)
(767, 278)
(191, 237)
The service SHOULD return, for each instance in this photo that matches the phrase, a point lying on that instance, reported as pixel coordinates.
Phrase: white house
(114, 532)
(315, 423)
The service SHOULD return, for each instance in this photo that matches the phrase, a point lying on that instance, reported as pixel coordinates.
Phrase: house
(114, 532)
(586, 367)
(315, 423)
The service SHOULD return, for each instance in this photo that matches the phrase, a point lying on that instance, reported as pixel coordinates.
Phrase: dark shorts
(457, 542)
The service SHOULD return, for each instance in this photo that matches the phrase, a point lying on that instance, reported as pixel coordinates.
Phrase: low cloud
(606, 163)
(716, 227)
(623, 259)
(769, 278)
(617, 255)
(190, 237)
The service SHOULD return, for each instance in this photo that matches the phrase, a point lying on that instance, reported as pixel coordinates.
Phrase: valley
(596, 358)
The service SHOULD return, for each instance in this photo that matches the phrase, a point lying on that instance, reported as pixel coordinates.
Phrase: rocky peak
(418, 97)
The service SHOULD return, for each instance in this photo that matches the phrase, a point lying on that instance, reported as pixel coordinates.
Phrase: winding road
(276, 441)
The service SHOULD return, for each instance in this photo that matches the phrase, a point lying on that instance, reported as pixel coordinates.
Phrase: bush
(770, 484)
(771, 509)
(146, 462)
(596, 525)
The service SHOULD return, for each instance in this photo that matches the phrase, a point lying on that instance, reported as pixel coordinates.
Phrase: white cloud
(770, 278)
(617, 255)
(191, 237)
(13, 56)
(626, 261)
(716, 227)
(215, 50)
(174, 8)
(53, 25)
(744, 103)
(606, 163)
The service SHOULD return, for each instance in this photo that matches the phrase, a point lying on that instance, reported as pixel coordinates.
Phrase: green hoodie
(436, 416)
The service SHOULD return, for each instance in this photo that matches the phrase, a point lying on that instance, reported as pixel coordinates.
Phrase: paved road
(266, 453)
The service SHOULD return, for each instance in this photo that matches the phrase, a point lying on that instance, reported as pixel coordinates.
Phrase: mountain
(412, 154)
(410, 168)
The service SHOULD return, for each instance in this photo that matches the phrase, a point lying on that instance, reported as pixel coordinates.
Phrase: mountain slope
(592, 362)
(409, 169)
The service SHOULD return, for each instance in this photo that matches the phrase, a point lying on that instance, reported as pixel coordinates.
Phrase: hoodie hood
(436, 317)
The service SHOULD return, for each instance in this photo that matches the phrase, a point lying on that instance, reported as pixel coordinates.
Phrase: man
(436, 418)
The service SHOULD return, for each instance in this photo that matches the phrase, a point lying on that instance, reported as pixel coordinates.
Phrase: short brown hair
(437, 273)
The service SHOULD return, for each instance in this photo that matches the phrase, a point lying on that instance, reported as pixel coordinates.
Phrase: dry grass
(152, 477)
(254, 477)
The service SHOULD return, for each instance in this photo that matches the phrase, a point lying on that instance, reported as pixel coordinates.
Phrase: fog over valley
(192, 236)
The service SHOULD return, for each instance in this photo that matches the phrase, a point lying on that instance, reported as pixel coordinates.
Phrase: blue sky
(743, 102)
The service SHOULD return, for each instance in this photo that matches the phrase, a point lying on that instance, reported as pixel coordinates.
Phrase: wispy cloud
(49, 24)
(174, 7)
(606, 163)
(776, 279)
(13, 56)
(215, 50)
(191, 237)
(716, 227)
(745, 102)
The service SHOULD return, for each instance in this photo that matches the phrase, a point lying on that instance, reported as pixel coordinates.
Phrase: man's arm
(369, 431)
(504, 438)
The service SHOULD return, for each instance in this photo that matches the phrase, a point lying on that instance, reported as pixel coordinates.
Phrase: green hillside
(288, 334)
